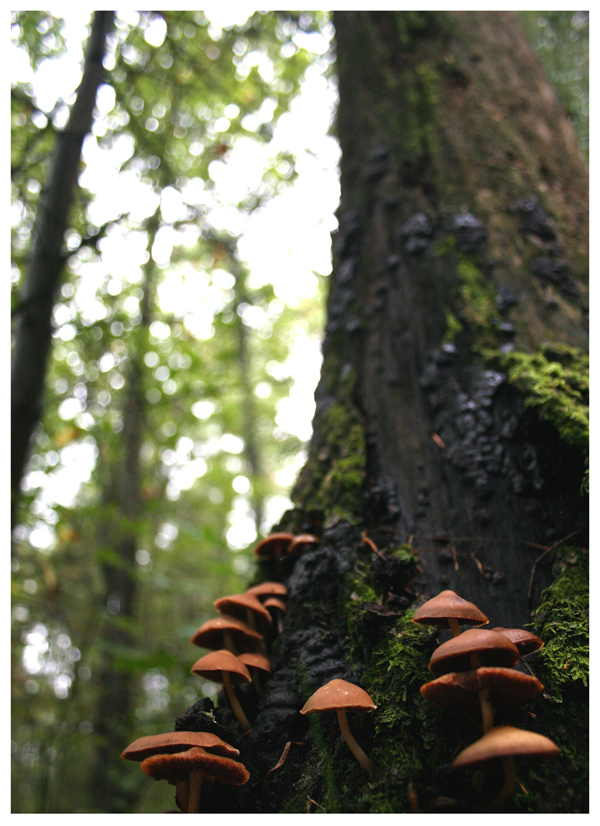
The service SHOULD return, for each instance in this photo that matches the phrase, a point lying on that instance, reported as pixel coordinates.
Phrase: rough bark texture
(33, 333)
(462, 240)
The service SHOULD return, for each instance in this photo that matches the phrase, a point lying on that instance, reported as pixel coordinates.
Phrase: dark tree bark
(33, 329)
(462, 242)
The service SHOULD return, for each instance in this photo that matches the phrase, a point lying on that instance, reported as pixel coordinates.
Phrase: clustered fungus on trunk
(480, 663)
(240, 639)
(187, 759)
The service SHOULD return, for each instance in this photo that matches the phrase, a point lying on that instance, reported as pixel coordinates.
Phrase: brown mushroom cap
(237, 605)
(175, 741)
(277, 604)
(301, 542)
(338, 694)
(212, 666)
(211, 634)
(274, 545)
(254, 660)
(268, 589)
(446, 605)
(525, 641)
(476, 644)
(175, 767)
(506, 687)
(453, 691)
(506, 741)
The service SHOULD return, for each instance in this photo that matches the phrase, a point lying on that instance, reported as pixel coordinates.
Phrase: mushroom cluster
(187, 760)
(277, 546)
(477, 667)
(238, 640)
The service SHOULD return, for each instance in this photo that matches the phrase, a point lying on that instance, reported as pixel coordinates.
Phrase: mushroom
(273, 546)
(256, 663)
(496, 688)
(224, 667)
(525, 641)
(449, 608)
(340, 696)
(299, 543)
(191, 767)
(472, 649)
(264, 590)
(246, 607)
(226, 632)
(277, 608)
(172, 742)
(506, 742)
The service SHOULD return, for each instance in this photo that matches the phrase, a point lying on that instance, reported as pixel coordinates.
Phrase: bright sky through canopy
(286, 242)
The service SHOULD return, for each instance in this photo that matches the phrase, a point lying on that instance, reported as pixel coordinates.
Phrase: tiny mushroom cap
(506, 741)
(188, 768)
(256, 663)
(277, 608)
(174, 741)
(215, 665)
(247, 607)
(506, 688)
(525, 641)
(448, 607)
(273, 546)
(264, 590)
(472, 649)
(340, 696)
(224, 667)
(301, 542)
(255, 660)
(226, 632)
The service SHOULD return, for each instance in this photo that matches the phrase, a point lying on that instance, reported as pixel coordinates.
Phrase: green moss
(478, 299)
(562, 621)
(453, 326)
(330, 481)
(555, 380)
(409, 24)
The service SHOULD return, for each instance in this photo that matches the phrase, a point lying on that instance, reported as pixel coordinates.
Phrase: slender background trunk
(33, 331)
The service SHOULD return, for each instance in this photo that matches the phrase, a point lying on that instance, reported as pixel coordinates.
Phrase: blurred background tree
(163, 451)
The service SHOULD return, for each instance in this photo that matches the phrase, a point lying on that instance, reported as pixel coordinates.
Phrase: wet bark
(462, 233)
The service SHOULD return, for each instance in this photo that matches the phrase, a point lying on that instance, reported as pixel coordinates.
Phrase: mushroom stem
(235, 704)
(506, 791)
(256, 680)
(352, 744)
(195, 790)
(487, 711)
(228, 641)
(182, 794)
(454, 626)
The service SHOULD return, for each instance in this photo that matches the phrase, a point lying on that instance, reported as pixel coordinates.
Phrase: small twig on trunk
(539, 559)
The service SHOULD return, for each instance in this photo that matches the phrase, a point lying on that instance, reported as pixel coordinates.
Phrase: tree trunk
(119, 542)
(462, 247)
(33, 333)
